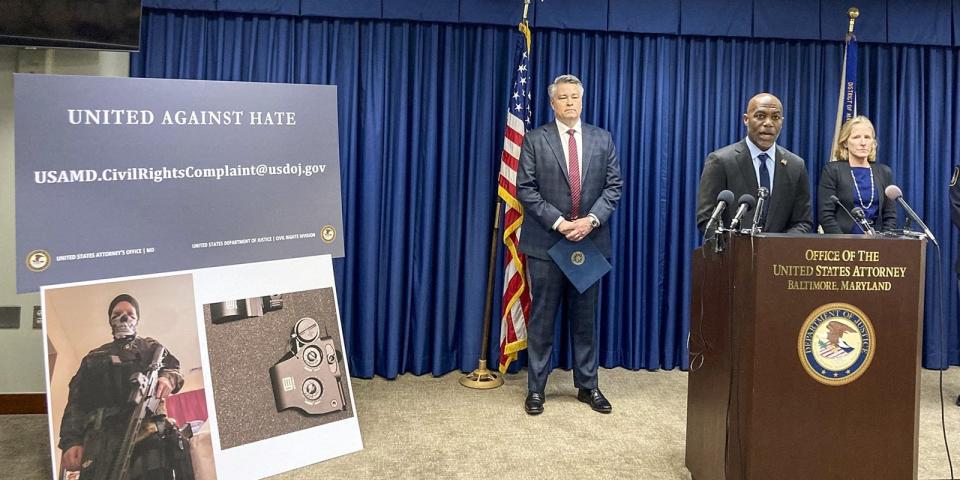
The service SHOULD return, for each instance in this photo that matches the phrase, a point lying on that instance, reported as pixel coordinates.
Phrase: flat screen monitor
(95, 24)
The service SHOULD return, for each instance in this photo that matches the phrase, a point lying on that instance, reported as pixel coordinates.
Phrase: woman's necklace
(857, 188)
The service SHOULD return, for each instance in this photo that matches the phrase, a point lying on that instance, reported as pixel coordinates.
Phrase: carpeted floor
(426, 427)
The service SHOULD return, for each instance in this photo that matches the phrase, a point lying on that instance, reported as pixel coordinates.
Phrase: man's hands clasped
(575, 230)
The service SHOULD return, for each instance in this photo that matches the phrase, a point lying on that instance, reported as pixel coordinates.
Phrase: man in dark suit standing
(758, 161)
(569, 184)
(955, 216)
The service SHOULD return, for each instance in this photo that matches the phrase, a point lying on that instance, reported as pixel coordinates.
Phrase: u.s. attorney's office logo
(577, 258)
(38, 260)
(836, 344)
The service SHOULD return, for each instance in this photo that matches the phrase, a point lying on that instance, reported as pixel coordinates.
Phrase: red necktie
(573, 168)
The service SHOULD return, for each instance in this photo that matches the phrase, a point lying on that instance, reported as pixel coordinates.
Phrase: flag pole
(483, 378)
(845, 110)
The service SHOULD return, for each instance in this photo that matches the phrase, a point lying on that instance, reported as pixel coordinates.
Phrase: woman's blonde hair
(840, 149)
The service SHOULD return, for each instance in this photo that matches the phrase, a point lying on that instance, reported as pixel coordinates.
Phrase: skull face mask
(123, 320)
(124, 315)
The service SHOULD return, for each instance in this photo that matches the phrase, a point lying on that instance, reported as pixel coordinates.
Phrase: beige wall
(21, 351)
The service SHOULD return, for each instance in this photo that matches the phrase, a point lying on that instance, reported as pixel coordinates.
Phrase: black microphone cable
(943, 353)
(705, 347)
(893, 192)
(732, 384)
(697, 357)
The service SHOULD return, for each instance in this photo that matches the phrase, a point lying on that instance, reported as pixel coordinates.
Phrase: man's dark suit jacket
(835, 179)
(544, 191)
(955, 206)
(731, 168)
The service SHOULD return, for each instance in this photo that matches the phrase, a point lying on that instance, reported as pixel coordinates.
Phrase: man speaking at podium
(754, 162)
(569, 184)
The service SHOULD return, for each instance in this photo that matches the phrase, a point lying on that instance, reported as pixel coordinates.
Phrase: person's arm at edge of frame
(801, 219)
(712, 182)
(889, 213)
(607, 201)
(827, 209)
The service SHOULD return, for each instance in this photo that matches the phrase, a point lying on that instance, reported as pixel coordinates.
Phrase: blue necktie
(764, 173)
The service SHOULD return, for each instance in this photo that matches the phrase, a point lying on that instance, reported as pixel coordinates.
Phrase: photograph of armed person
(125, 382)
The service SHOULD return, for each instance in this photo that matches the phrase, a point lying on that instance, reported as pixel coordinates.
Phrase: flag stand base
(482, 378)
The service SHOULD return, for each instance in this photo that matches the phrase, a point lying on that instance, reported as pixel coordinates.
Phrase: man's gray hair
(565, 78)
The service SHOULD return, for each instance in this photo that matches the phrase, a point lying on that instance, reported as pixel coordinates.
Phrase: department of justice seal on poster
(328, 233)
(38, 260)
(836, 344)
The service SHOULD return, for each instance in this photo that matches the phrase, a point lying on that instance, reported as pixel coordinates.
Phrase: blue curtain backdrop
(422, 109)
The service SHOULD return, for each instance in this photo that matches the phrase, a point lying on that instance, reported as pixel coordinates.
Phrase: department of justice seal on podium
(836, 344)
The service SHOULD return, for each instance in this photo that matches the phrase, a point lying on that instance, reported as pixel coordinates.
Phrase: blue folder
(581, 262)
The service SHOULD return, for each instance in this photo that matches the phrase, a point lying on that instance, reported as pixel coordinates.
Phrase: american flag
(516, 291)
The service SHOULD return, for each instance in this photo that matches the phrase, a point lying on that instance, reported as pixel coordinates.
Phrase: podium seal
(836, 344)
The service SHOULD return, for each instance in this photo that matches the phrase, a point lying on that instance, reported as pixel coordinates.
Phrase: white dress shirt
(565, 142)
(771, 162)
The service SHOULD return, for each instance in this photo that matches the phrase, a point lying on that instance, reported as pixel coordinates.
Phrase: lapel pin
(783, 161)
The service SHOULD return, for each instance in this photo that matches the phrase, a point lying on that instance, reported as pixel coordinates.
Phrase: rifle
(144, 398)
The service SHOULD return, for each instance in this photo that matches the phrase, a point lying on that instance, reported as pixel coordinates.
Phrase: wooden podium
(804, 357)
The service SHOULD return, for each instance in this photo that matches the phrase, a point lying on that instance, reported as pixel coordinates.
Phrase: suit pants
(550, 288)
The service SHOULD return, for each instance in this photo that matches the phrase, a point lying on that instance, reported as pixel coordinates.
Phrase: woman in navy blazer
(856, 180)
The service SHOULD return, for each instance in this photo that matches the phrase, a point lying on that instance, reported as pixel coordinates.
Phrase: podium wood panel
(753, 410)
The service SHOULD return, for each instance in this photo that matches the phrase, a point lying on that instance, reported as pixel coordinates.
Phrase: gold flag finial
(524, 25)
(853, 12)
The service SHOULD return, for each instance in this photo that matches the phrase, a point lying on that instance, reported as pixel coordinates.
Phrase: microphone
(762, 194)
(746, 202)
(723, 199)
(853, 216)
(861, 219)
(893, 192)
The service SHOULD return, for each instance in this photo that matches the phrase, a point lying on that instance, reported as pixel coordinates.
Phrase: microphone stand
(762, 195)
(861, 220)
(864, 224)
(719, 238)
